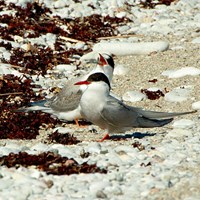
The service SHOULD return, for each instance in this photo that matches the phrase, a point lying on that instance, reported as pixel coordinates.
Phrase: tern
(65, 104)
(111, 114)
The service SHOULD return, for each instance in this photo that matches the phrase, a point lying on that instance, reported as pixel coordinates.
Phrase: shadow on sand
(138, 135)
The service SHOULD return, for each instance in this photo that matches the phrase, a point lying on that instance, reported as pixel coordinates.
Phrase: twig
(70, 39)
(16, 66)
(119, 36)
(11, 93)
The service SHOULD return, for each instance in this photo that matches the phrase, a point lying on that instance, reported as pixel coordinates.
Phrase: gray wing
(117, 114)
(67, 99)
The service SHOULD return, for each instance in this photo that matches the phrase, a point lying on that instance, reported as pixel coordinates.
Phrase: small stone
(63, 130)
(93, 147)
(64, 67)
(196, 105)
(178, 95)
(121, 70)
(79, 45)
(123, 29)
(178, 133)
(127, 48)
(134, 96)
(196, 40)
(100, 194)
(184, 71)
(121, 14)
(183, 124)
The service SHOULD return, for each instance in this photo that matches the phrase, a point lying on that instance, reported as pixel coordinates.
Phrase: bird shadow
(138, 135)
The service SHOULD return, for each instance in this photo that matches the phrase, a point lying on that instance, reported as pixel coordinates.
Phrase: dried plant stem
(119, 36)
(16, 66)
(12, 93)
(70, 39)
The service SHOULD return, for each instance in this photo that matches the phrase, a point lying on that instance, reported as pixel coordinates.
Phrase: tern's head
(106, 65)
(105, 59)
(95, 78)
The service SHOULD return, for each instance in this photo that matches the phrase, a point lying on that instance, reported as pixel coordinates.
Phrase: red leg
(106, 137)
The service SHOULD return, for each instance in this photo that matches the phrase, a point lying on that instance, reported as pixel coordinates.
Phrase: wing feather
(67, 99)
(118, 114)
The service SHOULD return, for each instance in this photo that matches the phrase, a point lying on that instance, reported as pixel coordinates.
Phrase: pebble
(154, 89)
(125, 48)
(123, 29)
(40, 147)
(196, 105)
(178, 95)
(183, 124)
(98, 186)
(79, 45)
(121, 14)
(178, 133)
(63, 130)
(64, 151)
(64, 68)
(196, 40)
(48, 39)
(7, 69)
(134, 96)
(192, 71)
(120, 70)
(4, 54)
(93, 147)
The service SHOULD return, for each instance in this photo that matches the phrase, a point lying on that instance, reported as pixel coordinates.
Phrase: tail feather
(154, 115)
(38, 103)
(150, 123)
(36, 106)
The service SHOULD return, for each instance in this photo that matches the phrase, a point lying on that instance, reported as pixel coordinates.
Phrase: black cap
(97, 77)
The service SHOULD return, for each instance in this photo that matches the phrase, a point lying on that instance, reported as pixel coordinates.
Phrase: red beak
(82, 83)
(102, 61)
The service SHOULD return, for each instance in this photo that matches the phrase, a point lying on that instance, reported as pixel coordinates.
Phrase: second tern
(65, 105)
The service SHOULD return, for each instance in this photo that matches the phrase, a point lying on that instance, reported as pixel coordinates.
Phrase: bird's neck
(96, 93)
(108, 71)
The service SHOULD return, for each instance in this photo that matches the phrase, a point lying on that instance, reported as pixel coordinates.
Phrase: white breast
(92, 102)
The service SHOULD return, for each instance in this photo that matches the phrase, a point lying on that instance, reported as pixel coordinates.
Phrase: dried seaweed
(92, 27)
(138, 145)
(34, 20)
(23, 125)
(66, 138)
(153, 80)
(152, 3)
(49, 162)
(84, 154)
(146, 165)
(28, 21)
(6, 45)
(15, 125)
(153, 95)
